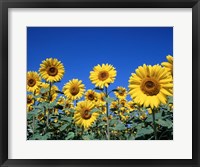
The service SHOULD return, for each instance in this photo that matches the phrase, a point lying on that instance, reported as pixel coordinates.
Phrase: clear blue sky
(81, 48)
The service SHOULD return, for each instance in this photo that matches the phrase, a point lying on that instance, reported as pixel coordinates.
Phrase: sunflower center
(52, 71)
(74, 90)
(103, 75)
(86, 114)
(150, 86)
(29, 100)
(91, 97)
(31, 82)
(67, 105)
(121, 92)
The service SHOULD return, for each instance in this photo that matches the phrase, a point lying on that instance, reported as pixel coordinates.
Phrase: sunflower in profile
(52, 70)
(103, 75)
(82, 115)
(121, 92)
(168, 65)
(33, 81)
(30, 100)
(150, 85)
(74, 89)
(101, 101)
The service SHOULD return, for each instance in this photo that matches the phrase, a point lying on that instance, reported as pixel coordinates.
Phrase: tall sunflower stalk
(154, 124)
(107, 115)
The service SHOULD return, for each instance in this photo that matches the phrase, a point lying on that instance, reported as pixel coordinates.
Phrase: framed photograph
(99, 83)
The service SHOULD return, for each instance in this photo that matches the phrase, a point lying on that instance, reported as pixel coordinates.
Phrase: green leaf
(44, 90)
(101, 124)
(97, 88)
(57, 91)
(70, 135)
(63, 127)
(170, 99)
(113, 121)
(109, 99)
(68, 119)
(94, 110)
(120, 126)
(144, 131)
(71, 110)
(166, 123)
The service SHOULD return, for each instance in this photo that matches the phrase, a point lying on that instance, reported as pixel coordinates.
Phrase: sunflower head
(30, 100)
(91, 95)
(114, 105)
(33, 81)
(132, 106)
(121, 92)
(103, 75)
(74, 89)
(150, 85)
(83, 116)
(52, 70)
(168, 65)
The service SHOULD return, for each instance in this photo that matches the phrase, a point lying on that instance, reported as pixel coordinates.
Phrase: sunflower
(114, 105)
(52, 70)
(132, 106)
(30, 100)
(150, 85)
(121, 92)
(74, 89)
(91, 95)
(29, 108)
(101, 101)
(169, 65)
(103, 75)
(82, 115)
(33, 81)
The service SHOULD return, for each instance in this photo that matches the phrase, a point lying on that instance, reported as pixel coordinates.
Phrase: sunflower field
(144, 111)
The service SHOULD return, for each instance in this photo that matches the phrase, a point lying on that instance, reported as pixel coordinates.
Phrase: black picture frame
(4, 96)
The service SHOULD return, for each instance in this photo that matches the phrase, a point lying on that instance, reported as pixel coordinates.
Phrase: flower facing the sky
(121, 92)
(168, 65)
(103, 75)
(33, 81)
(150, 85)
(74, 89)
(52, 70)
(83, 116)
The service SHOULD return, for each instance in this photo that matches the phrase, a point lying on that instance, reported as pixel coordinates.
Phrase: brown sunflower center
(121, 92)
(86, 114)
(91, 97)
(67, 105)
(31, 82)
(150, 86)
(103, 75)
(74, 90)
(52, 71)
(29, 100)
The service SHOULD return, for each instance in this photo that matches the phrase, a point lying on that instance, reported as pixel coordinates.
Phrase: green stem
(154, 124)
(33, 124)
(107, 114)
(49, 99)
